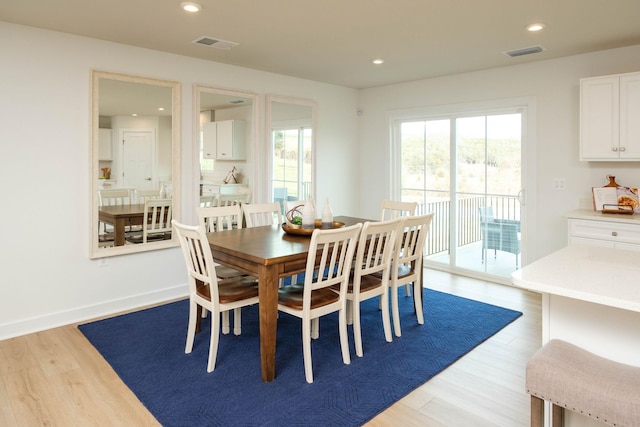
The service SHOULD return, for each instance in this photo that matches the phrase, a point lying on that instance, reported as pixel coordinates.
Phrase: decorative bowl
(299, 231)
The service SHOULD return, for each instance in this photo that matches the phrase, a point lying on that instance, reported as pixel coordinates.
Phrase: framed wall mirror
(227, 134)
(135, 163)
(291, 128)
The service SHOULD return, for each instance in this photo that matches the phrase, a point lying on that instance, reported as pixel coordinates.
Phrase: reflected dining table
(269, 254)
(120, 217)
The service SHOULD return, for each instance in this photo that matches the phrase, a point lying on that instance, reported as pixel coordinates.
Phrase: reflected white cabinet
(609, 111)
(224, 140)
(104, 144)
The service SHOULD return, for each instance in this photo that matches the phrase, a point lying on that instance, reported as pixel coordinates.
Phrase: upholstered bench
(572, 378)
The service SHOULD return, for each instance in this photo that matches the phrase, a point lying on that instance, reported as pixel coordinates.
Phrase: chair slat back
(335, 248)
(259, 214)
(410, 241)
(197, 256)
(392, 209)
(144, 195)
(157, 213)
(117, 197)
(375, 249)
(220, 218)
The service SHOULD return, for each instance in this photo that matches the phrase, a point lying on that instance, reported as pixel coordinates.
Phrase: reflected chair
(207, 201)
(157, 224)
(256, 215)
(334, 248)
(112, 197)
(208, 292)
(407, 264)
(142, 196)
(221, 218)
(499, 234)
(392, 209)
(239, 198)
(371, 273)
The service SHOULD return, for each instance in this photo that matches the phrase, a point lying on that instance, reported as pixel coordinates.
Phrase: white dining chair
(316, 297)
(142, 196)
(208, 292)
(157, 224)
(371, 273)
(259, 214)
(391, 209)
(221, 218)
(406, 264)
(112, 197)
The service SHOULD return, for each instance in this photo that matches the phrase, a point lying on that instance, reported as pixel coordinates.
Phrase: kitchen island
(590, 298)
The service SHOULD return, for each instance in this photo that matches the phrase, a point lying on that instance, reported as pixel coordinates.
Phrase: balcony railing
(468, 219)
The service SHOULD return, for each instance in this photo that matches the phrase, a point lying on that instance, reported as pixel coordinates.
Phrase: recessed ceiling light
(190, 7)
(535, 27)
(377, 61)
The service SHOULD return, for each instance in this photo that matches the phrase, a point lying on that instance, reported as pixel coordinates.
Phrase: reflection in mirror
(227, 133)
(292, 146)
(135, 163)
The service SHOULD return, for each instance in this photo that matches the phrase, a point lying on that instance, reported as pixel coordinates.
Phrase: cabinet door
(209, 140)
(599, 118)
(104, 144)
(225, 140)
(630, 116)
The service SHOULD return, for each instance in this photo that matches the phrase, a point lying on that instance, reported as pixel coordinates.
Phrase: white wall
(46, 276)
(555, 86)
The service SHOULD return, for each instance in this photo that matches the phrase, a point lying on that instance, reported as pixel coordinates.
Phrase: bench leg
(557, 419)
(537, 412)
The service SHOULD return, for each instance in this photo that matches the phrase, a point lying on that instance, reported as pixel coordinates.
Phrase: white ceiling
(333, 41)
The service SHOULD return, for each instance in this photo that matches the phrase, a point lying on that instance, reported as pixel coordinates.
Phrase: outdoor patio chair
(499, 234)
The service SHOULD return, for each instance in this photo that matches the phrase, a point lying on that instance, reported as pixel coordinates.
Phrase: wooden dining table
(120, 217)
(269, 254)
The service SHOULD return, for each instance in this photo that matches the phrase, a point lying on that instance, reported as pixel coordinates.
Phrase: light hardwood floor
(56, 378)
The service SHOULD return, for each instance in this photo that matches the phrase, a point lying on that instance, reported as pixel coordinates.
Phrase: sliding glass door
(467, 170)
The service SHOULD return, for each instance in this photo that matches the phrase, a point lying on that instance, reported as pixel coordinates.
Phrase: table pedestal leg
(268, 294)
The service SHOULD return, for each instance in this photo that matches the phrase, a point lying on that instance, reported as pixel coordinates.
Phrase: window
(292, 163)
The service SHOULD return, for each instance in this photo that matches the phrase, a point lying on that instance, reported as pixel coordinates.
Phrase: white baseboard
(81, 314)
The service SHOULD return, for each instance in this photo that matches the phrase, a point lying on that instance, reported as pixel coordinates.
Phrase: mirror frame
(268, 149)
(176, 117)
(252, 150)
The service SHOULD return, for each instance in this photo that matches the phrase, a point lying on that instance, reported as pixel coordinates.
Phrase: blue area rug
(146, 349)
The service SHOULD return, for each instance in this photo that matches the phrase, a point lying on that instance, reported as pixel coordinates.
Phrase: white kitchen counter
(591, 298)
(595, 274)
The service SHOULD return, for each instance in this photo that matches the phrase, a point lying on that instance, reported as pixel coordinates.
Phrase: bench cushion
(580, 381)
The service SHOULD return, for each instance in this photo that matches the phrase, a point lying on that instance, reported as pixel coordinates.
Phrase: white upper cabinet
(224, 140)
(104, 144)
(608, 106)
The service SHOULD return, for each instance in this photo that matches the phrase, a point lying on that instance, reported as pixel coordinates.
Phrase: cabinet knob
(622, 148)
(614, 148)
(614, 233)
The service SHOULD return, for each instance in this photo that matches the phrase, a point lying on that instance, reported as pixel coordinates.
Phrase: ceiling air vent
(525, 51)
(217, 43)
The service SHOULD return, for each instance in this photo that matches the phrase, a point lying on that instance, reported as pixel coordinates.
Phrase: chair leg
(537, 412)
(417, 301)
(237, 321)
(191, 328)
(344, 339)
(395, 311)
(386, 320)
(557, 415)
(315, 328)
(357, 331)
(225, 322)
(306, 350)
(213, 345)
